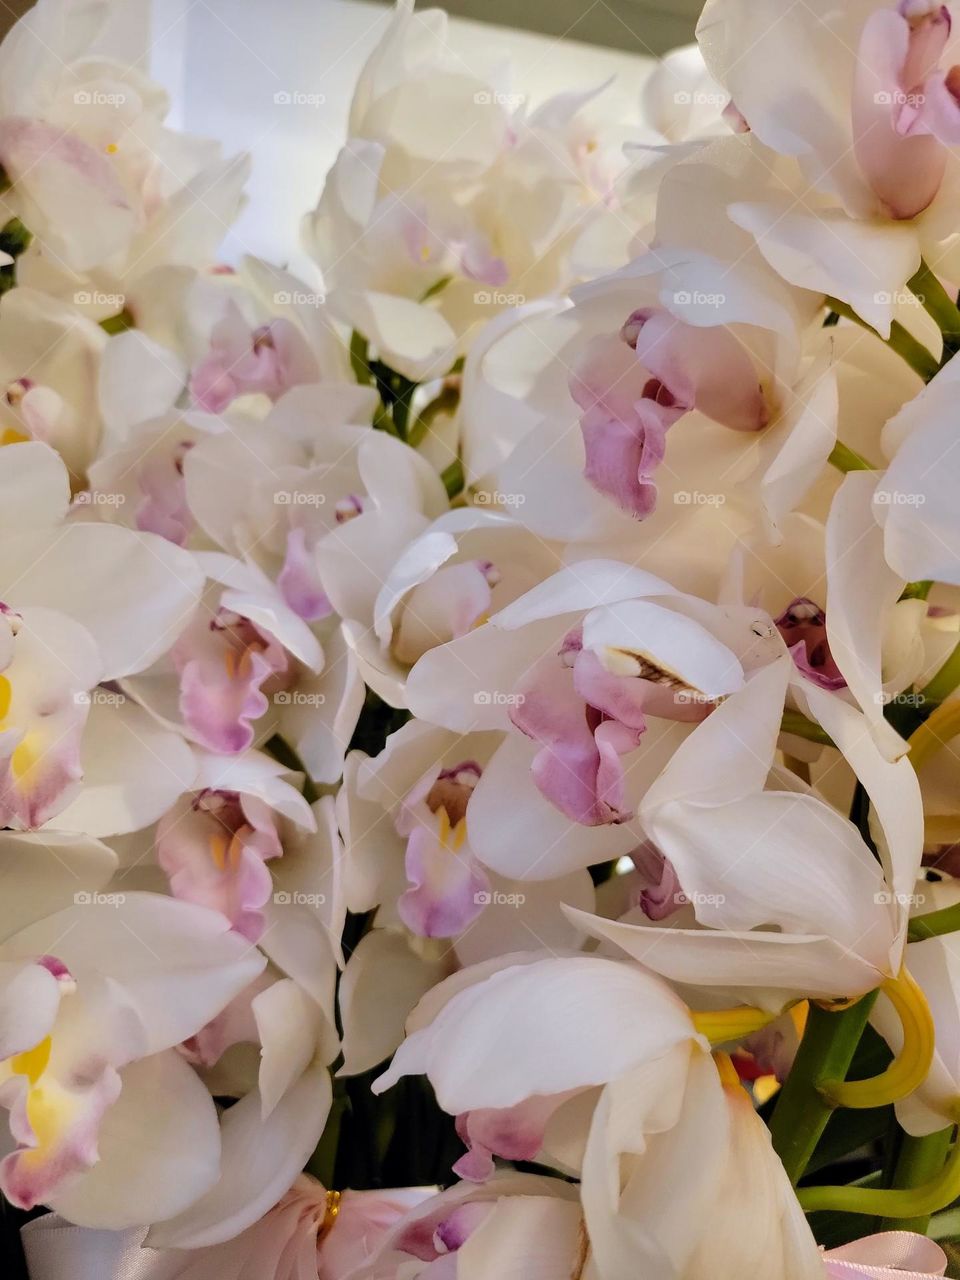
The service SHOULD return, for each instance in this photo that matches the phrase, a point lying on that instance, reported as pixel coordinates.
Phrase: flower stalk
(909, 1068)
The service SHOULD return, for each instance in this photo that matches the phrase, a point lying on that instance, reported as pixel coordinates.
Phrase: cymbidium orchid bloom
(518, 1223)
(407, 821)
(216, 844)
(594, 677)
(494, 708)
(269, 1133)
(828, 922)
(50, 363)
(83, 130)
(255, 332)
(266, 649)
(423, 237)
(614, 427)
(633, 1050)
(844, 195)
(98, 997)
(292, 907)
(463, 567)
(99, 608)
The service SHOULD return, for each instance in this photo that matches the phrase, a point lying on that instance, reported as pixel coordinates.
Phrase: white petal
(260, 1161)
(134, 592)
(133, 770)
(139, 381)
(861, 592)
(568, 1022)
(34, 486)
(178, 964)
(42, 872)
(382, 982)
(159, 1149)
(289, 1024)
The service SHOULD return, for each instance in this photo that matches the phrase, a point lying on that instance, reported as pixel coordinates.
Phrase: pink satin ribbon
(892, 1255)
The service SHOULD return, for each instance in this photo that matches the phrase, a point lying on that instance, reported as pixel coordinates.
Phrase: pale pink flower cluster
(484, 722)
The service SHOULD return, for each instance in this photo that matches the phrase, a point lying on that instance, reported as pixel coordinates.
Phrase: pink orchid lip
(803, 626)
(58, 969)
(624, 420)
(904, 109)
(299, 581)
(224, 691)
(218, 858)
(578, 768)
(448, 886)
(163, 508)
(663, 896)
(513, 1133)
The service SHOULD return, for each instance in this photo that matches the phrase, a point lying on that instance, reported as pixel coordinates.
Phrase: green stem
(453, 478)
(445, 402)
(920, 1159)
(360, 359)
(934, 924)
(825, 1053)
(845, 459)
(796, 722)
(938, 305)
(919, 590)
(901, 341)
(944, 682)
(904, 1203)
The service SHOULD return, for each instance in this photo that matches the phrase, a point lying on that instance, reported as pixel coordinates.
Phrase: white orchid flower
(845, 195)
(83, 604)
(99, 995)
(594, 677)
(464, 566)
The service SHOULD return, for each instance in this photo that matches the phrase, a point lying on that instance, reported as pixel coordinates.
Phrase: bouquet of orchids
(477, 771)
